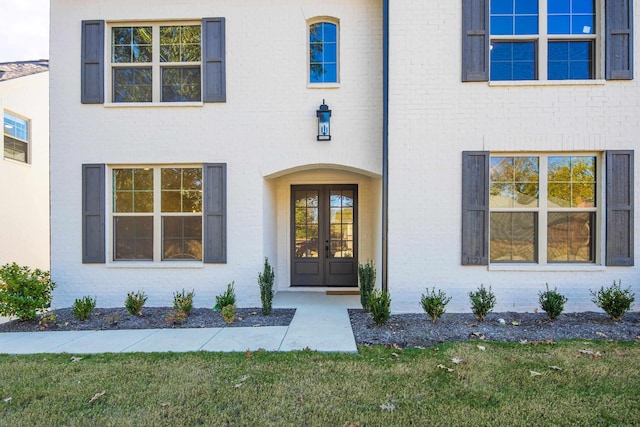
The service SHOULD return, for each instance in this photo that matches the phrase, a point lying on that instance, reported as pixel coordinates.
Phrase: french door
(324, 244)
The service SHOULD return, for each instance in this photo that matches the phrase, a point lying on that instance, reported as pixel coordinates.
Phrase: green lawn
(567, 383)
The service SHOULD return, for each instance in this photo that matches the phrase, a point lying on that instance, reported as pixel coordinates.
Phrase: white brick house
(24, 166)
(185, 148)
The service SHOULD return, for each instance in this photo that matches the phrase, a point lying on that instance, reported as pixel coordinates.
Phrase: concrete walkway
(321, 323)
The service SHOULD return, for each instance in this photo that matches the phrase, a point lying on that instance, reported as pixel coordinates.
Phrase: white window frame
(542, 44)
(157, 215)
(318, 20)
(155, 64)
(26, 141)
(543, 209)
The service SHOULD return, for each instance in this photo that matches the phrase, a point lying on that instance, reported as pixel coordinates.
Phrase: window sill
(503, 83)
(152, 104)
(323, 85)
(159, 265)
(546, 267)
(16, 162)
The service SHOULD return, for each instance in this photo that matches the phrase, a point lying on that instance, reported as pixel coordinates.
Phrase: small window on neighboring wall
(323, 52)
(16, 138)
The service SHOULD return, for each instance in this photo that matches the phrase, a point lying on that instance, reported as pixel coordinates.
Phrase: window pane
(16, 126)
(572, 181)
(180, 43)
(571, 17)
(513, 236)
(306, 224)
(558, 6)
(182, 238)
(131, 44)
(323, 53)
(526, 25)
(514, 182)
(181, 84)
(132, 190)
(15, 149)
(570, 237)
(506, 20)
(181, 189)
(132, 85)
(513, 61)
(502, 6)
(133, 238)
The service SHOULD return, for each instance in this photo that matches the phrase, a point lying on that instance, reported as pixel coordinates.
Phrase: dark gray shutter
(215, 213)
(93, 214)
(213, 60)
(92, 77)
(475, 40)
(619, 39)
(619, 208)
(475, 207)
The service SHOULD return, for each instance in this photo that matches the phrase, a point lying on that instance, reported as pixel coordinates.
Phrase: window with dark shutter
(215, 213)
(475, 208)
(92, 57)
(619, 208)
(93, 213)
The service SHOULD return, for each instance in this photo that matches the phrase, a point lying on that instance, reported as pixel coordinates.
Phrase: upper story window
(16, 137)
(156, 63)
(323, 52)
(542, 39)
(547, 40)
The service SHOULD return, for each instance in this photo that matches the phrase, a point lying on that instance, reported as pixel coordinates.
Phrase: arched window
(323, 52)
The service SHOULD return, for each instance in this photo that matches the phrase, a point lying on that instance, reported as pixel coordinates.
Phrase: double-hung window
(547, 40)
(542, 39)
(323, 52)
(16, 137)
(157, 213)
(543, 208)
(156, 63)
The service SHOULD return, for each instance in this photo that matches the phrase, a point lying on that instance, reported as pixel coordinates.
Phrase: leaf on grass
(395, 354)
(388, 407)
(445, 368)
(601, 334)
(247, 354)
(97, 396)
(76, 359)
(351, 425)
(457, 360)
(524, 342)
(592, 354)
(619, 353)
(481, 348)
(534, 373)
(515, 323)
(555, 368)
(7, 399)
(511, 360)
(165, 405)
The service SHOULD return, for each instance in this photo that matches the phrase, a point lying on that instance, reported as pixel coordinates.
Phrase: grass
(378, 387)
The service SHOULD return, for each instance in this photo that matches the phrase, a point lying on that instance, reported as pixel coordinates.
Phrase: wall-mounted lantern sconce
(324, 122)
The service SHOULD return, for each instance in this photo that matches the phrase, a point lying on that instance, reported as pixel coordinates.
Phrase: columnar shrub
(434, 303)
(552, 302)
(380, 306)
(228, 297)
(614, 300)
(265, 281)
(367, 279)
(134, 302)
(83, 307)
(24, 292)
(183, 302)
(482, 302)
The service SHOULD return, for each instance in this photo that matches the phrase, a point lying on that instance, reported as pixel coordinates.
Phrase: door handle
(326, 249)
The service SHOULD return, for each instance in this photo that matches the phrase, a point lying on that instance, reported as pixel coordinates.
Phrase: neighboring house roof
(13, 70)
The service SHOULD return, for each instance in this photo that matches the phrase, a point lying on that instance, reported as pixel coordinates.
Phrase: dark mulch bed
(152, 318)
(416, 330)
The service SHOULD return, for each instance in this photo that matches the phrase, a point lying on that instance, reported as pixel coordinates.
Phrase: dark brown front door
(324, 228)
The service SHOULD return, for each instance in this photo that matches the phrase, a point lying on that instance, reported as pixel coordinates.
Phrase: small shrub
(183, 302)
(434, 303)
(176, 317)
(228, 297)
(135, 302)
(367, 279)
(47, 320)
(24, 292)
(614, 300)
(482, 302)
(229, 313)
(265, 281)
(379, 306)
(83, 307)
(552, 302)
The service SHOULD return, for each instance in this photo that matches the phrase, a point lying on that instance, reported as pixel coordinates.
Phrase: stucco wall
(266, 128)
(24, 188)
(434, 117)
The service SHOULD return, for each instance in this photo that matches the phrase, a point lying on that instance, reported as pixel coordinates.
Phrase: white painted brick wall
(434, 117)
